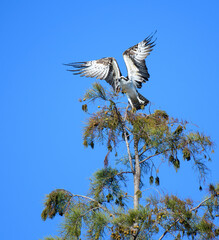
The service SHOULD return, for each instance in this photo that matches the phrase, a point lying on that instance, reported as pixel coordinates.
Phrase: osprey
(108, 69)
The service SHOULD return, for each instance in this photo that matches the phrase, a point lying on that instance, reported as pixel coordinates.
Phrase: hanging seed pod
(84, 107)
(177, 163)
(92, 145)
(85, 143)
(171, 159)
(157, 181)
(186, 154)
(151, 180)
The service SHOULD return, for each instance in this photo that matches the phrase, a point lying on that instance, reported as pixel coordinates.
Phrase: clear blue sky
(41, 119)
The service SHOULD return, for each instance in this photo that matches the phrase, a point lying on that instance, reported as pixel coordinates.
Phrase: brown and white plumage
(134, 58)
(103, 69)
(108, 69)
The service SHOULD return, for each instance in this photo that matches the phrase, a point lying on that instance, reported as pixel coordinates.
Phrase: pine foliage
(106, 186)
(150, 139)
(56, 203)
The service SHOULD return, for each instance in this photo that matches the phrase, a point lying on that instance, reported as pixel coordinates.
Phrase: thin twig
(121, 173)
(177, 220)
(153, 189)
(93, 200)
(156, 154)
(144, 151)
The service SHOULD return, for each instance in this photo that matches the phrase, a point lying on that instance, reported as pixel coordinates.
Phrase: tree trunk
(137, 175)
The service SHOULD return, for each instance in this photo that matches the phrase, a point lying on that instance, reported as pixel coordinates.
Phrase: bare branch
(144, 151)
(122, 173)
(125, 135)
(167, 230)
(126, 140)
(93, 200)
(200, 204)
(137, 174)
(156, 154)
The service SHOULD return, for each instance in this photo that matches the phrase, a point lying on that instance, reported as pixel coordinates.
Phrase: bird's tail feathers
(139, 105)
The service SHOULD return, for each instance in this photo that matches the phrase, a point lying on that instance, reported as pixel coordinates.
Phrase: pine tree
(108, 211)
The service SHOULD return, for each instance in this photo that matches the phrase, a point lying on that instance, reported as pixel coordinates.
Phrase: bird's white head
(123, 78)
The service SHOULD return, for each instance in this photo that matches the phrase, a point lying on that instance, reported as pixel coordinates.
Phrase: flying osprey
(108, 69)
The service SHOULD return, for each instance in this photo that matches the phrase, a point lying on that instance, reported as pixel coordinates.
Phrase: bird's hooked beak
(123, 78)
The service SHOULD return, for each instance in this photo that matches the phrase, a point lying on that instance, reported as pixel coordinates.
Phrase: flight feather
(103, 69)
(134, 58)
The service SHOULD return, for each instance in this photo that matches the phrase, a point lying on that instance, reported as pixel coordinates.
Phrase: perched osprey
(108, 69)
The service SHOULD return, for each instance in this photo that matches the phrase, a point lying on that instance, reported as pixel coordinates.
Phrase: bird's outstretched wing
(134, 58)
(104, 69)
